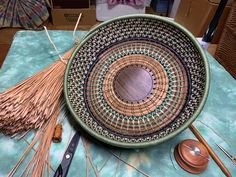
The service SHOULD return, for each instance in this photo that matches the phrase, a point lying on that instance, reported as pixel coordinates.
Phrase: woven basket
(136, 81)
(226, 49)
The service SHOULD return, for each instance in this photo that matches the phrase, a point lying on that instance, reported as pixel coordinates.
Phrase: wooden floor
(6, 37)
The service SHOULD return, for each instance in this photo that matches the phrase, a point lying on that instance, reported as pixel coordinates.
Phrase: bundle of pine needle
(41, 159)
(31, 103)
(35, 103)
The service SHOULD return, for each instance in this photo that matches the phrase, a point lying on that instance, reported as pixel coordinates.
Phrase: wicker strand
(49, 38)
(76, 38)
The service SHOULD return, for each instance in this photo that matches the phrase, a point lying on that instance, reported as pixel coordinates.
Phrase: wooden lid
(192, 156)
(194, 153)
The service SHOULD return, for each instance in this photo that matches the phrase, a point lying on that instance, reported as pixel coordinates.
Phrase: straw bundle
(35, 103)
(31, 103)
(41, 159)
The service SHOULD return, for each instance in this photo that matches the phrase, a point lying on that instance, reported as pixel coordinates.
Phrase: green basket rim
(157, 141)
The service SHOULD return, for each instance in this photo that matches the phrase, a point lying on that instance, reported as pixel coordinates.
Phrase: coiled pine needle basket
(136, 81)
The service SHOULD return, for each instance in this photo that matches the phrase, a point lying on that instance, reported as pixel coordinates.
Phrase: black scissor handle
(59, 172)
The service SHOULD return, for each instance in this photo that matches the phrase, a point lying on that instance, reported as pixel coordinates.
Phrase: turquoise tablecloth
(31, 52)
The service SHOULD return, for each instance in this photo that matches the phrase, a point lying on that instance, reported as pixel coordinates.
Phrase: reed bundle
(31, 103)
(35, 103)
(39, 96)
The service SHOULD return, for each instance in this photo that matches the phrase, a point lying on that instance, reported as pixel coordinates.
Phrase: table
(31, 52)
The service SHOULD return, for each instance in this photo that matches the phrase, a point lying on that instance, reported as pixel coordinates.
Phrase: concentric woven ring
(168, 56)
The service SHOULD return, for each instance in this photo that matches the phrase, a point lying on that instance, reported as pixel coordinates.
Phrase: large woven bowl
(136, 81)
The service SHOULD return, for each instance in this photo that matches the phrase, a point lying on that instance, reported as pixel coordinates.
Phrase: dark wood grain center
(133, 83)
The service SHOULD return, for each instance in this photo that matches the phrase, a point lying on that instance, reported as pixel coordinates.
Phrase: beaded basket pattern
(172, 61)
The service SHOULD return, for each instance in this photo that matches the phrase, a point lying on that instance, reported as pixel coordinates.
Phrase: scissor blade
(69, 154)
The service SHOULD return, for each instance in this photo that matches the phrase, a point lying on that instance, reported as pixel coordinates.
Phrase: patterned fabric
(31, 52)
(28, 14)
(129, 2)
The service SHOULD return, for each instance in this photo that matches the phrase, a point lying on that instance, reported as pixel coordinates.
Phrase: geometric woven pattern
(146, 115)
(136, 81)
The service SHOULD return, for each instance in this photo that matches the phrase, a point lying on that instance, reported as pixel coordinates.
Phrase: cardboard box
(226, 49)
(70, 16)
(196, 16)
(70, 4)
(218, 1)
(66, 12)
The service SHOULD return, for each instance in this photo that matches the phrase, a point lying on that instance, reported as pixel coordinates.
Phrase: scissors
(231, 157)
(63, 168)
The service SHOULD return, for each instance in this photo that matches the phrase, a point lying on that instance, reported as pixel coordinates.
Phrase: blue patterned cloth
(31, 52)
